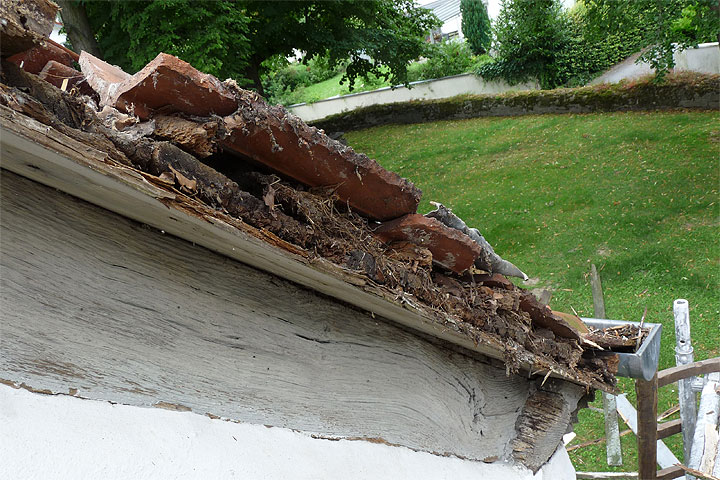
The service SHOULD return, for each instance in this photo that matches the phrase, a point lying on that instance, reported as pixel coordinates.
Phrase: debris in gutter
(621, 338)
(488, 260)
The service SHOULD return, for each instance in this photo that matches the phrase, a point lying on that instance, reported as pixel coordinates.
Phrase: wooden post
(612, 430)
(647, 427)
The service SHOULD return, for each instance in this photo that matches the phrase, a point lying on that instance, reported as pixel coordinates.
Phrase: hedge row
(683, 90)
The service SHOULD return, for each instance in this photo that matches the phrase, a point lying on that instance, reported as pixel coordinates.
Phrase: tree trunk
(252, 72)
(78, 27)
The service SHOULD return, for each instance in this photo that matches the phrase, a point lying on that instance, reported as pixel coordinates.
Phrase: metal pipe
(686, 393)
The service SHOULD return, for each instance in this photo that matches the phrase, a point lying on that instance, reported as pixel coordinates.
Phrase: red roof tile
(450, 248)
(284, 143)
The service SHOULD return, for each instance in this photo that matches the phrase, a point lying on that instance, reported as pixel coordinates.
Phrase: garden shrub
(282, 82)
(588, 54)
(446, 59)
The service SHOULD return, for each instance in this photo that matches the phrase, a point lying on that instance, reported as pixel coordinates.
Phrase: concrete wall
(65, 437)
(423, 90)
(704, 59)
(702, 93)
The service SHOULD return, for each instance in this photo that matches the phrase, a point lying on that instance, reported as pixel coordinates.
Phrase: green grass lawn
(332, 87)
(634, 193)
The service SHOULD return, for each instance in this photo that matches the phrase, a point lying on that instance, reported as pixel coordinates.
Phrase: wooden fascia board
(42, 154)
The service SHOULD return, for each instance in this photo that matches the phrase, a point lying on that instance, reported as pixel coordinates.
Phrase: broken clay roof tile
(281, 141)
(450, 248)
(65, 78)
(166, 82)
(35, 59)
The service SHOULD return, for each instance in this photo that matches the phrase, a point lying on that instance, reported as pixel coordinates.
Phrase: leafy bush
(445, 59)
(588, 54)
(283, 81)
(529, 34)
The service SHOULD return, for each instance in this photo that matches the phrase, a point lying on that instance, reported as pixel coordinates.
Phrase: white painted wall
(65, 437)
(423, 90)
(704, 59)
(454, 25)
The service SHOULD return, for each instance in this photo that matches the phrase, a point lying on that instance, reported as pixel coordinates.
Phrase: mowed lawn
(634, 193)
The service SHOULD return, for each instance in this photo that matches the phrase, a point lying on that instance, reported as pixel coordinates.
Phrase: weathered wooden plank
(95, 302)
(43, 154)
(671, 375)
(665, 457)
(647, 427)
(670, 473)
(667, 429)
(613, 448)
(547, 408)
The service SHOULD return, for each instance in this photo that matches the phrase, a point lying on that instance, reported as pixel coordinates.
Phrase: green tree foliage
(529, 35)
(665, 25)
(210, 35)
(590, 52)
(447, 58)
(476, 25)
(243, 39)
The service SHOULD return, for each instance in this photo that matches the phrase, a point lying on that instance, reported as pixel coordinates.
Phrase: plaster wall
(65, 437)
(704, 59)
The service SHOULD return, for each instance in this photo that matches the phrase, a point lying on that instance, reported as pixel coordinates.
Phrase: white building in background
(448, 11)
(57, 34)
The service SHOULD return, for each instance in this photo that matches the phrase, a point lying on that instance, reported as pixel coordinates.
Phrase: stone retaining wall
(679, 91)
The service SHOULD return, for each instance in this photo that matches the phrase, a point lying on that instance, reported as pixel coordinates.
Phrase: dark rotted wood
(671, 375)
(542, 315)
(647, 427)
(25, 24)
(669, 428)
(545, 411)
(669, 473)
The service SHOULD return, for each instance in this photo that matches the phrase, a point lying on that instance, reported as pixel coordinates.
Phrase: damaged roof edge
(43, 154)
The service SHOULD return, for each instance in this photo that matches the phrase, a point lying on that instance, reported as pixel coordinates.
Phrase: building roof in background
(444, 9)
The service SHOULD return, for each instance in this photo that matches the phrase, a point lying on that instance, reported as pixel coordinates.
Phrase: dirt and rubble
(620, 338)
(268, 169)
